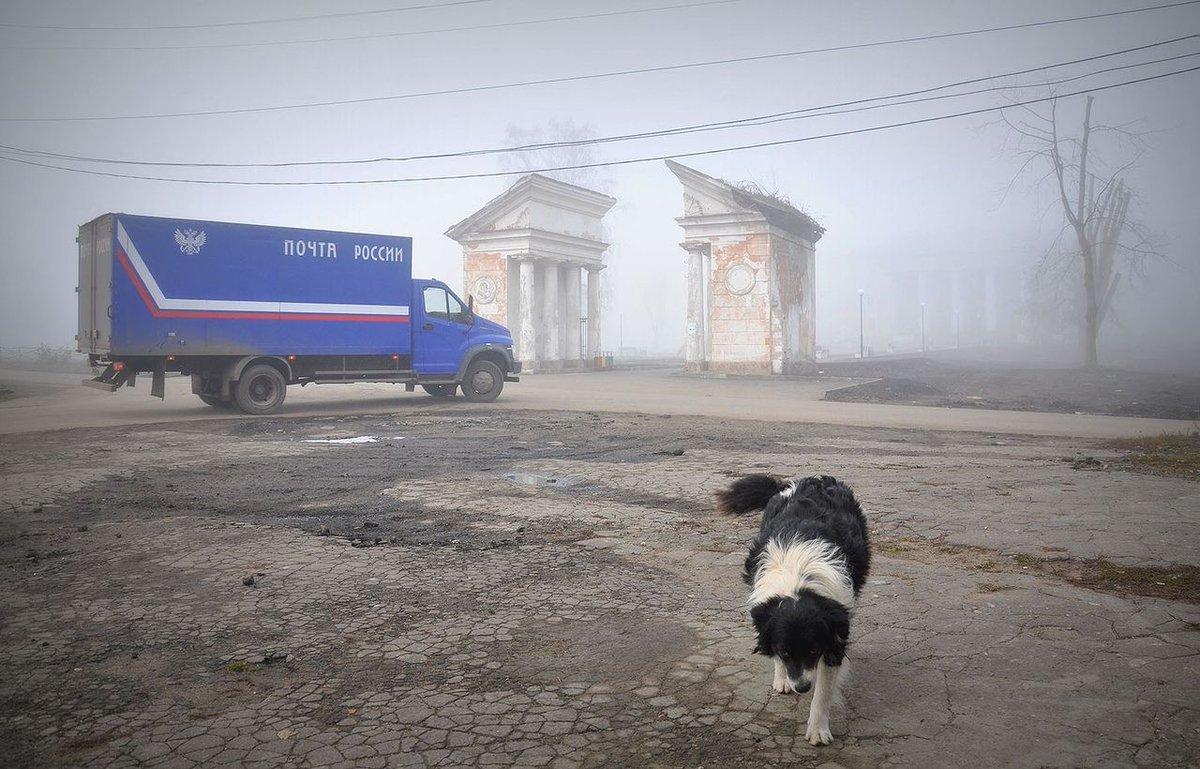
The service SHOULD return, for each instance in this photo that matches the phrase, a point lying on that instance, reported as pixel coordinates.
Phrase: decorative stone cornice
(531, 243)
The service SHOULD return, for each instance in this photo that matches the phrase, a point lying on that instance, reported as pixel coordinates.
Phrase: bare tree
(557, 144)
(1095, 201)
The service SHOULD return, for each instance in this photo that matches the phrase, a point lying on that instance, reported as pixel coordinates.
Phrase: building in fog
(529, 255)
(964, 305)
(751, 278)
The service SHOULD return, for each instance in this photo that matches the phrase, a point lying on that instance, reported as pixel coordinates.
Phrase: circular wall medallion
(485, 290)
(739, 279)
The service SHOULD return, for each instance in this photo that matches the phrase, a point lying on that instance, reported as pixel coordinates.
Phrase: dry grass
(1175, 582)
(1173, 455)
(993, 587)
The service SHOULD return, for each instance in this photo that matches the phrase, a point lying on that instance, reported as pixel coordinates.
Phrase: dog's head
(800, 631)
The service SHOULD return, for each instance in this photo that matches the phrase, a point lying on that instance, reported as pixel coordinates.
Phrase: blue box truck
(247, 310)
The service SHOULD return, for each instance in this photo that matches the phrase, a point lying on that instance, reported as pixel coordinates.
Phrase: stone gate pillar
(593, 312)
(551, 321)
(751, 273)
(697, 255)
(571, 316)
(527, 342)
(522, 253)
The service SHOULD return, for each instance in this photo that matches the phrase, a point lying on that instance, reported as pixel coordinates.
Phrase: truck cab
(452, 343)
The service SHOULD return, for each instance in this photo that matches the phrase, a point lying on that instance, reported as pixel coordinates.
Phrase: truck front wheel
(483, 382)
(260, 390)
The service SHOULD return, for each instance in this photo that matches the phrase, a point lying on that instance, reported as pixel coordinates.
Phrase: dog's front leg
(818, 713)
(780, 685)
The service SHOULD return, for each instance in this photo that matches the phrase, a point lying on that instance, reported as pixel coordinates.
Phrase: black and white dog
(805, 569)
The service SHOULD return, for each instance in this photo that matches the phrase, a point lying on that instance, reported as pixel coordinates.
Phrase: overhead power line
(585, 77)
(609, 163)
(253, 22)
(377, 35)
(756, 120)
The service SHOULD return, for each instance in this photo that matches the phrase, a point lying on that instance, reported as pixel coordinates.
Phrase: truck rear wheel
(216, 402)
(260, 390)
(483, 382)
(440, 390)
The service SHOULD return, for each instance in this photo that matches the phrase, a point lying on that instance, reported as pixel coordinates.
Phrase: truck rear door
(441, 331)
(95, 286)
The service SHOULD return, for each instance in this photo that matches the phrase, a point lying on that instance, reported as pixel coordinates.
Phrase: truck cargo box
(150, 286)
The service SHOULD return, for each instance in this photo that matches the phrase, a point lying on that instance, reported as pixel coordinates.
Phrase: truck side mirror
(471, 304)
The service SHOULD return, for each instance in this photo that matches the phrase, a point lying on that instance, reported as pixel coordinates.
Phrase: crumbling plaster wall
(793, 305)
(739, 320)
(485, 276)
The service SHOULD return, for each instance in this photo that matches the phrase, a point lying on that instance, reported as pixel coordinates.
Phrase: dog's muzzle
(801, 686)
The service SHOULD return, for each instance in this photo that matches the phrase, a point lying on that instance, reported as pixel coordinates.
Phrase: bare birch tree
(1095, 201)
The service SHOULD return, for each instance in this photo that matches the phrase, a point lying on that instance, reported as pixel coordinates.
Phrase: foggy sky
(924, 195)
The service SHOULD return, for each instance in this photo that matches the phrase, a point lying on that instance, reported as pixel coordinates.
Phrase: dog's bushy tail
(747, 494)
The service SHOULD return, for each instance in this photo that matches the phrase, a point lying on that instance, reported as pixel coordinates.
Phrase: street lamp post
(922, 327)
(862, 344)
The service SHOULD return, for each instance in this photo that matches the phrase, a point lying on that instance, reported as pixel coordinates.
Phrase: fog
(904, 209)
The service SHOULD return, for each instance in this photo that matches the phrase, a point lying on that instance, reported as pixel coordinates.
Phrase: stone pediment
(707, 196)
(537, 202)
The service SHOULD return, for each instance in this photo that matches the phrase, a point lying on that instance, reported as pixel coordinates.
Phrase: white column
(549, 291)
(571, 317)
(593, 312)
(527, 333)
(694, 355)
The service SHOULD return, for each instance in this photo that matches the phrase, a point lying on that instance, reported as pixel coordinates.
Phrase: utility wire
(757, 120)
(609, 163)
(593, 76)
(375, 36)
(254, 22)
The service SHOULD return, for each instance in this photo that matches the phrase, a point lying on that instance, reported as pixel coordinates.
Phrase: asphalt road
(57, 401)
(477, 587)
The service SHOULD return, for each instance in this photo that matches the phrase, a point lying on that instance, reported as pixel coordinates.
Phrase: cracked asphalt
(493, 587)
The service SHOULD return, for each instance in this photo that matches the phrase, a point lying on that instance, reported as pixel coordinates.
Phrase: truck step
(100, 384)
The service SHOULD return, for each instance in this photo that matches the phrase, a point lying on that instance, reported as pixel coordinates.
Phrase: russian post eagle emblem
(190, 241)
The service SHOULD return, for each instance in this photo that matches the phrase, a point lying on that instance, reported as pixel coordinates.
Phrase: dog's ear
(747, 494)
(762, 615)
(839, 625)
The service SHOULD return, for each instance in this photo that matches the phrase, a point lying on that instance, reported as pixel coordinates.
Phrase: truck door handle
(428, 327)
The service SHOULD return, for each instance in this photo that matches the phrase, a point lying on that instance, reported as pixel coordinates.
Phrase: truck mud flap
(158, 384)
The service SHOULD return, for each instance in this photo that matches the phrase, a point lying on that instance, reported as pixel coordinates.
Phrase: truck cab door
(441, 337)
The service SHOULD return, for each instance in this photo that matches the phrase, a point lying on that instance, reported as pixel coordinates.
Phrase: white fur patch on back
(784, 569)
(788, 490)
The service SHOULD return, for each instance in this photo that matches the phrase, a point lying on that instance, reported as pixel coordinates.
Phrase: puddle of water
(533, 479)
(356, 439)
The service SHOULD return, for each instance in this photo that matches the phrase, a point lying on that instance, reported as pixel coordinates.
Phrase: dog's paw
(781, 686)
(818, 733)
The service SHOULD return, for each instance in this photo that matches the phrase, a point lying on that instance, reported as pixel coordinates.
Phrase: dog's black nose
(802, 687)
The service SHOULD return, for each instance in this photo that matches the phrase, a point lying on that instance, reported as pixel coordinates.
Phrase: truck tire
(483, 382)
(260, 390)
(215, 402)
(440, 390)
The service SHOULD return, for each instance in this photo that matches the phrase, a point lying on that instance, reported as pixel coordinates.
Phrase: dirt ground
(971, 384)
(491, 587)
